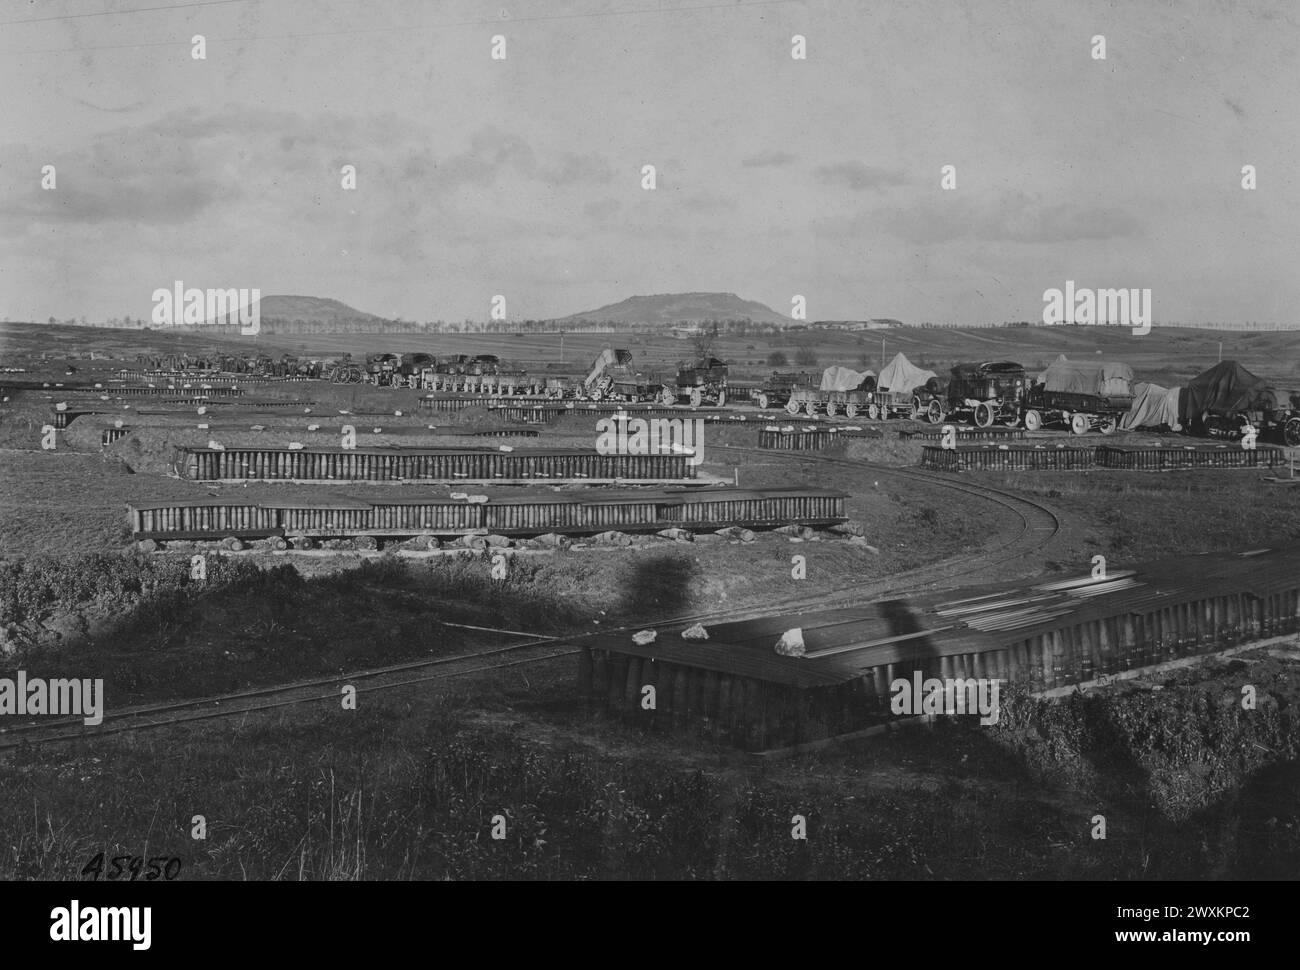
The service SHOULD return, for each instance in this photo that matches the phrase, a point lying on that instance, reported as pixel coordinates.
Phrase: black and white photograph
(640, 441)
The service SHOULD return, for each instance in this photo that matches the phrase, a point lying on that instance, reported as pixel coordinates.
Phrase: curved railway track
(1038, 525)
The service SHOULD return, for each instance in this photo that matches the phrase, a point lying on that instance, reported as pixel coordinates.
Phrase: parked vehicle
(842, 389)
(984, 394)
(345, 371)
(776, 390)
(613, 378)
(1228, 401)
(704, 382)
(1081, 395)
(1286, 420)
(898, 387)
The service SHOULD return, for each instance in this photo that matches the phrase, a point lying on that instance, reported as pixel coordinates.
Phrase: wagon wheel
(667, 397)
(1078, 424)
(762, 401)
(1033, 420)
(810, 406)
(917, 409)
(792, 407)
(934, 411)
(873, 411)
(722, 398)
(697, 397)
(850, 410)
(1109, 426)
(984, 415)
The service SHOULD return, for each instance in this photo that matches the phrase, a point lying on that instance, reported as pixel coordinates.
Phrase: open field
(407, 785)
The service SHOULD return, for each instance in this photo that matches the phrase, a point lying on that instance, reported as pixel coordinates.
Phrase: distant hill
(663, 310)
(312, 309)
(313, 314)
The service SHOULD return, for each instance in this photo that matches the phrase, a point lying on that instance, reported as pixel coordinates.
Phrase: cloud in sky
(1010, 217)
(776, 177)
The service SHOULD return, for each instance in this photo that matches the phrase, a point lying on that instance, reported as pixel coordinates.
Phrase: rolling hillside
(666, 309)
(313, 309)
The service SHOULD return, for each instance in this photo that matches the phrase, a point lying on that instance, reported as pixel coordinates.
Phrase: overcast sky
(776, 176)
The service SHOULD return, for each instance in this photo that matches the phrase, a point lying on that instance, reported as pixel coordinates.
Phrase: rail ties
(1006, 458)
(642, 510)
(790, 438)
(220, 377)
(995, 433)
(193, 389)
(544, 410)
(495, 385)
(1126, 458)
(1189, 456)
(527, 465)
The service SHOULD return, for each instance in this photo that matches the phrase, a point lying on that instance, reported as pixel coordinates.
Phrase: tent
(843, 379)
(1102, 378)
(1153, 407)
(900, 374)
(1225, 388)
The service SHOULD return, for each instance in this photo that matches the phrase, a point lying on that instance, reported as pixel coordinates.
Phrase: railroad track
(1038, 525)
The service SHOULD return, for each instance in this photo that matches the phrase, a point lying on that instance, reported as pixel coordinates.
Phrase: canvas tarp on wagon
(1060, 359)
(1226, 388)
(900, 374)
(843, 378)
(1101, 378)
(1153, 407)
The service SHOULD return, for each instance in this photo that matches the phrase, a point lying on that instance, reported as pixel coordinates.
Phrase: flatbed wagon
(1083, 396)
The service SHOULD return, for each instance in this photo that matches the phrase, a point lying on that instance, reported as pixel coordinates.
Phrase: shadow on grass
(152, 632)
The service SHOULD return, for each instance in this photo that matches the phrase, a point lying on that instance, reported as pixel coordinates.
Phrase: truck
(1081, 395)
(775, 391)
(982, 393)
(703, 382)
(1228, 401)
(613, 378)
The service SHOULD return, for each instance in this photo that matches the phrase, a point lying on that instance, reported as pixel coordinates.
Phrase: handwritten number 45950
(168, 870)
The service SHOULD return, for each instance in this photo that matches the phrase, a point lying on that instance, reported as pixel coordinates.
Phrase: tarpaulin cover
(1153, 406)
(1227, 386)
(900, 374)
(843, 379)
(1104, 378)
(1060, 359)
